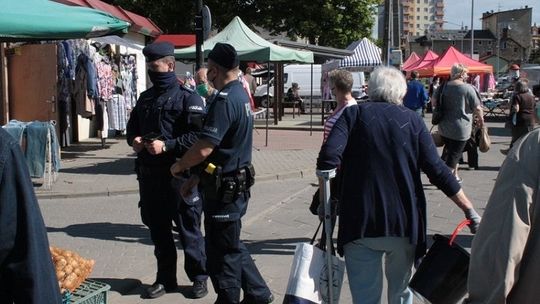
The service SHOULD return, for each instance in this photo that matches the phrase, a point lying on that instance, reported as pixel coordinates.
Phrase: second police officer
(162, 127)
(224, 150)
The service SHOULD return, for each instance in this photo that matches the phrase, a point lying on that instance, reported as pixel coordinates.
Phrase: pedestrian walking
(458, 101)
(162, 127)
(381, 150)
(222, 159)
(416, 97)
(27, 273)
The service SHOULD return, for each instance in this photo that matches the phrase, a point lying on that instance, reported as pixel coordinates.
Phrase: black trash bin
(441, 278)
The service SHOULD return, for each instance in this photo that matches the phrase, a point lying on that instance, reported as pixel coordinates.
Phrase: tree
(333, 23)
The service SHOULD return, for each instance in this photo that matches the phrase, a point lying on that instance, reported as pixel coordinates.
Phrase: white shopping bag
(308, 280)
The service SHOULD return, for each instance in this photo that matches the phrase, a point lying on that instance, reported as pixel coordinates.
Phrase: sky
(457, 12)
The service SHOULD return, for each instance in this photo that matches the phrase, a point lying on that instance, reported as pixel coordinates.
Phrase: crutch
(325, 176)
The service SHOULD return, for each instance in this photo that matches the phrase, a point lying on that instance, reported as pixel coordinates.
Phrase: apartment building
(421, 16)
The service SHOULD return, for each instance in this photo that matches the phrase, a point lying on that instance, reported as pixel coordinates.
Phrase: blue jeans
(363, 259)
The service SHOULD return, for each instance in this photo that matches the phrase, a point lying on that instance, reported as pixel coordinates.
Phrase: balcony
(439, 13)
(440, 4)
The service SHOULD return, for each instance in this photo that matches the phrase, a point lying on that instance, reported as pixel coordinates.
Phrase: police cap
(225, 55)
(158, 50)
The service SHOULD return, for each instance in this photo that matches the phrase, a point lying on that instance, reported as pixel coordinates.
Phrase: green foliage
(334, 23)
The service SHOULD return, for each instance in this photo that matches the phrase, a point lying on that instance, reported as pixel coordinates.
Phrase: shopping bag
(308, 279)
(485, 141)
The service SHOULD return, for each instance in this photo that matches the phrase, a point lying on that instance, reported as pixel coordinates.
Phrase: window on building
(489, 42)
(426, 18)
(479, 42)
(417, 1)
(515, 50)
(425, 9)
(417, 34)
(418, 9)
(418, 25)
(417, 17)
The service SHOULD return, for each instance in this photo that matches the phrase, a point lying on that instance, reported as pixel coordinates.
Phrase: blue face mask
(202, 89)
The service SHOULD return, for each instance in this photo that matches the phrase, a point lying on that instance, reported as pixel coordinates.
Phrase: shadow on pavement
(124, 286)
(78, 150)
(122, 166)
(128, 233)
(274, 247)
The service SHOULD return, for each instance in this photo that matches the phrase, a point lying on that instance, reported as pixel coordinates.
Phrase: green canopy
(22, 20)
(250, 46)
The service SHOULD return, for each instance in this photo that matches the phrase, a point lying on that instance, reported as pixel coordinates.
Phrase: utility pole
(386, 36)
(198, 35)
(472, 28)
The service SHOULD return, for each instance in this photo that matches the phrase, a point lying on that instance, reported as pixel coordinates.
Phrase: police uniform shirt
(176, 115)
(228, 126)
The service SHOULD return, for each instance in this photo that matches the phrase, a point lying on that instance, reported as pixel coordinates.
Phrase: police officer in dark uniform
(161, 127)
(224, 150)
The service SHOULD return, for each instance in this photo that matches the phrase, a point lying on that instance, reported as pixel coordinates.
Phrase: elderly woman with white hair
(381, 147)
(459, 101)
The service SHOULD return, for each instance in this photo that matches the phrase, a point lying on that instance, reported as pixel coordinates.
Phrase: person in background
(505, 253)
(203, 87)
(161, 127)
(222, 159)
(251, 81)
(523, 106)
(416, 97)
(27, 274)
(459, 102)
(381, 149)
(341, 83)
(293, 96)
(433, 86)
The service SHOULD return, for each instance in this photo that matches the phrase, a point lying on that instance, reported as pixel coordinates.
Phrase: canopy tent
(413, 59)
(366, 56)
(47, 20)
(443, 64)
(428, 58)
(249, 45)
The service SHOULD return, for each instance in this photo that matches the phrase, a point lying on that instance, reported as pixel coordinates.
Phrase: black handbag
(438, 112)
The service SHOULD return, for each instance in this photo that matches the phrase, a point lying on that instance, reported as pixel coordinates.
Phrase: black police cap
(225, 55)
(158, 50)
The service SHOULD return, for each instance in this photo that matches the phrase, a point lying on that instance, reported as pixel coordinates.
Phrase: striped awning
(366, 54)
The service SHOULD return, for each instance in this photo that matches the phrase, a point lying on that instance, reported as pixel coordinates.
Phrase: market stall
(412, 59)
(251, 47)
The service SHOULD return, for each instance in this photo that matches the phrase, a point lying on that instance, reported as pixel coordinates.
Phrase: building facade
(512, 30)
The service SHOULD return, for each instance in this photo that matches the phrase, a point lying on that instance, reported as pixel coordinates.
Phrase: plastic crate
(90, 292)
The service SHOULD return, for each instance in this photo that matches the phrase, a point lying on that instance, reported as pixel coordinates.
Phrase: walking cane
(326, 176)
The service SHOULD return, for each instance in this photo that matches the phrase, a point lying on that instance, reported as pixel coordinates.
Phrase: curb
(42, 194)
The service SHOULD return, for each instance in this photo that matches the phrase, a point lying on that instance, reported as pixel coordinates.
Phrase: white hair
(387, 84)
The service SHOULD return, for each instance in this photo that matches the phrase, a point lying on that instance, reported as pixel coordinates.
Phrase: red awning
(179, 41)
(413, 58)
(443, 64)
(429, 57)
(138, 23)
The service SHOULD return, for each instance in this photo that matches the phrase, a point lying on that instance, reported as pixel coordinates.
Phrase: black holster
(228, 186)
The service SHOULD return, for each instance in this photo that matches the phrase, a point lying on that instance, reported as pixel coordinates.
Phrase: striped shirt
(330, 121)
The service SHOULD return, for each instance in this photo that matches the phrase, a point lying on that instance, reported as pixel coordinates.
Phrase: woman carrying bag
(523, 107)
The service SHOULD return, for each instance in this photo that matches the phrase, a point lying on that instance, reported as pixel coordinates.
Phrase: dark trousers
(230, 265)
(161, 205)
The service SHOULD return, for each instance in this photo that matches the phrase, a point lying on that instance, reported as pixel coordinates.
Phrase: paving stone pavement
(92, 209)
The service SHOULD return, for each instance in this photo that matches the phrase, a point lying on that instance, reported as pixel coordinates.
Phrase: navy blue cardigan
(381, 149)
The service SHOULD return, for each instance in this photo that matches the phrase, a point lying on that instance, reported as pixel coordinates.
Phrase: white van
(301, 74)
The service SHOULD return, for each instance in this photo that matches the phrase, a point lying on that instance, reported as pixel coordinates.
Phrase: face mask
(162, 80)
(202, 89)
